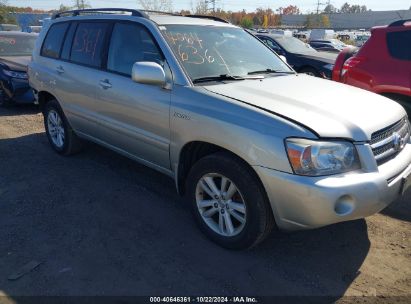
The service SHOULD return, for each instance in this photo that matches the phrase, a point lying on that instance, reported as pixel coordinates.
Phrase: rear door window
(88, 43)
(65, 53)
(130, 43)
(399, 45)
(54, 39)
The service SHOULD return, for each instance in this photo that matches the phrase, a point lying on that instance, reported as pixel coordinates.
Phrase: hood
(320, 56)
(16, 63)
(327, 108)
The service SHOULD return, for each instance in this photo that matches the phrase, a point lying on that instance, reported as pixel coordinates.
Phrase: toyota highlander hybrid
(252, 144)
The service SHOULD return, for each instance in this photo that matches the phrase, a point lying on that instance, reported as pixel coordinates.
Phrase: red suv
(382, 65)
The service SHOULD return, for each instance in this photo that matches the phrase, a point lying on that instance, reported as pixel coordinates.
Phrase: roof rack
(207, 17)
(159, 12)
(73, 13)
(400, 22)
(136, 13)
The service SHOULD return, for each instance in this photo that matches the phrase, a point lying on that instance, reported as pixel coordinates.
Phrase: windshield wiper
(269, 71)
(221, 77)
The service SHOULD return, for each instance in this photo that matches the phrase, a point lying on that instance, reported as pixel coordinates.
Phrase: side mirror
(148, 72)
(283, 58)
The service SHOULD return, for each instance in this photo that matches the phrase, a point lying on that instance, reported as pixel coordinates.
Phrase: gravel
(101, 224)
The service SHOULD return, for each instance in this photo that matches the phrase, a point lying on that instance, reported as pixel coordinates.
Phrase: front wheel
(4, 101)
(229, 202)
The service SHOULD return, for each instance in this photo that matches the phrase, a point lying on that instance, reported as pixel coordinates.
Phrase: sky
(234, 5)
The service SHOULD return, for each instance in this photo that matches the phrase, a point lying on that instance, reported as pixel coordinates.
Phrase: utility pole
(80, 4)
(318, 7)
(210, 2)
(319, 4)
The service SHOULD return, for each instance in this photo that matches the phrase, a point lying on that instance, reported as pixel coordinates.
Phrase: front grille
(388, 142)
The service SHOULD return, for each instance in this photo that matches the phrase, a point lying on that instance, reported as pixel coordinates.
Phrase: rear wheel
(229, 202)
(59, 133)
(344, 55)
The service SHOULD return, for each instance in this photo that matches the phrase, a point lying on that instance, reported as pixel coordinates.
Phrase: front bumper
(301, 202)
(17, 90)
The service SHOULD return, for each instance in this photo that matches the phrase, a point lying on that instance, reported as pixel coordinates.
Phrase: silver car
(248, 141)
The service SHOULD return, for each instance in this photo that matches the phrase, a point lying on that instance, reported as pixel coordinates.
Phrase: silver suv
(251, 143)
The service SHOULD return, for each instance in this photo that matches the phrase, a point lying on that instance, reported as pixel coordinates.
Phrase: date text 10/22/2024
(237, 299)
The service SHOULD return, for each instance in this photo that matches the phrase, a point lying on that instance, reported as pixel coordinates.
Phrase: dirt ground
(100, 224)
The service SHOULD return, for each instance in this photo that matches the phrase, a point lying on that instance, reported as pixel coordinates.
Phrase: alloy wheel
(55, 128)
(221, 205)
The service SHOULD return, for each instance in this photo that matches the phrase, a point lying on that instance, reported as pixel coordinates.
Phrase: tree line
(261, 17)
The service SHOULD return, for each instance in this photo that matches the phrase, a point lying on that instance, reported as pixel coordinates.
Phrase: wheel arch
(193, 151)
(44, 97)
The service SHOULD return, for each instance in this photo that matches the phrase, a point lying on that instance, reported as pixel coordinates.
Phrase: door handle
(60, 69)
(105, 84)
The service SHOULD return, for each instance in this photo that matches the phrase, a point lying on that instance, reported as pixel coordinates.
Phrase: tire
(59, 133)
(349, 52)
(310, 71)
(344, 55)
(249, 203)
(4, 102)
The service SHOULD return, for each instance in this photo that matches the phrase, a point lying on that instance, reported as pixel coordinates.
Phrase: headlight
(14, 74)
(328, 66)
(314, 158)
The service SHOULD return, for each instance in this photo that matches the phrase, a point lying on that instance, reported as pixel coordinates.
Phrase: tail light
(349, 64)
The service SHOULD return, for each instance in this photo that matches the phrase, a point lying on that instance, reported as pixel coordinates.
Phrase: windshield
(210, 51)
(16, 45)
(294, 45)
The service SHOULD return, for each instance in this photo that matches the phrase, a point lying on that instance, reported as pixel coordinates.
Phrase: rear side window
(54, 40)
(88, 43)
(130, 43)
(399, 45)
(65, 53)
